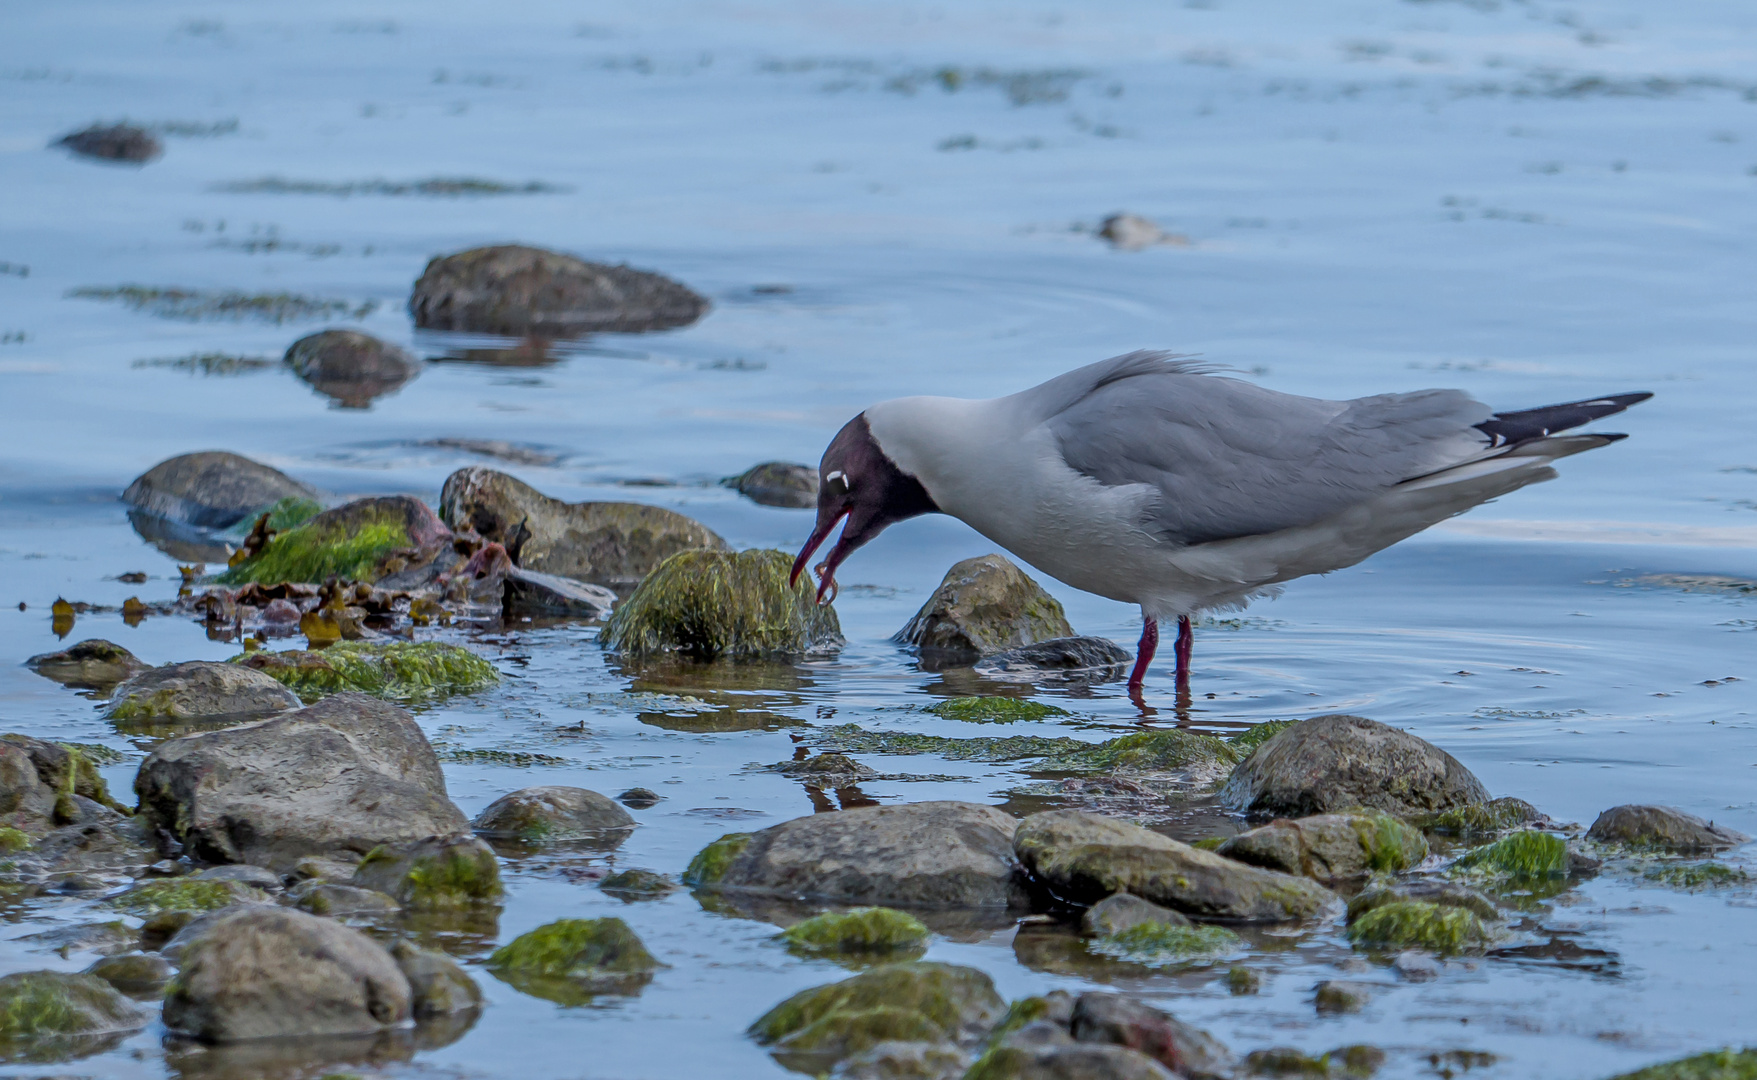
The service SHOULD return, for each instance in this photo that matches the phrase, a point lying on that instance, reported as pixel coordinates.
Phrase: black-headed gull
(1149, 479)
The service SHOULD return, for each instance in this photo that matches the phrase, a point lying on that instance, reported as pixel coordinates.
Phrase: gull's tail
(1512, 428)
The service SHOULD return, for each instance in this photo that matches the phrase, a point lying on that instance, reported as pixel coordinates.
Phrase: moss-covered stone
(993, 710)
(1416, 924)
(1158, 944)
(48, 1015)
(13, 841)
(1331, 847)
(915, 1002)
(713, 605)
(1444, 893)
(983, 606)
(1258, 734)
(1024, 1011)
(853, 738)
(570, 961)
(317, 551)
(186, 894)
(436, 874)
(285, 513)
(866, 931)
(137, 974)
(1146, 752)
(1727, 1064)
(401, 671)
(1697, 876)
(710, 863)
(1522, 858)
(1242, 980)
(1482, 819)
(636, 884)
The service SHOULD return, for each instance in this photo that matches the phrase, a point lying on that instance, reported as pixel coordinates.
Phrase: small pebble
(639, 797)
(1242, 980)
(1416, 966)
(1338, 996)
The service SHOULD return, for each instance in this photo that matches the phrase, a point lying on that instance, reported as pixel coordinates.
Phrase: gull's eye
(837, 483)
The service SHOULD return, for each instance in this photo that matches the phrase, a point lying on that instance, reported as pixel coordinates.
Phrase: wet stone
(438, 873)
(640, 798)
(913, 1002)
(407, 671)
(1086, 659)
(713, 605)
(571, 961)
(333, 900)
(636, 884)
(1444, 893)
(1662, 828)
(1417, 966)
(366, 540)
(1492, 818)
(993, 710)
(1341, 996)
(1077, 1061)
(186, 894)
(51, 1016)
(349, 367)
(522, 291)
(777, 483)
(1132, 232)
(1242, 980)
(438, 985)
(1125, 1021)
(868, 932)
(1330, 847)
(1414, 924)
(540, 814)
(94, 664)
(1123, 911)
(114, 142)
(825, 771)
(528, 592)
(137, 974)
(212, 489)
(254, 876)
(106, 938)
(984, 605)
(196, 689)
(900, 1060)
(1336, 763)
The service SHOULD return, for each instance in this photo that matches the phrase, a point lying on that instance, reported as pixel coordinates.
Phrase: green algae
(712, 605)
(95, 753)
(433, 876)
(1697, 876)
(852, 738)
(1210, 843)
(1522, 858)
(1024, 1011)
(915, 1002)
(396, 671)
(315, 553)
(287, 513)
(197, 304)
(1145, 752)
(864, 930)
(637, 884)
(1390, 845)
(1258, 734)
(13, 841)
(1727, 1064)
(711, 863)
(1242, 980)
(570, 961)
(1157, 944)
(1480, 819)
(186, 894)
(39, 1010)
(993, 710)
(1416, 924)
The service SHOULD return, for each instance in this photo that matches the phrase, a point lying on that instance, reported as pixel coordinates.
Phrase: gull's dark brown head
(857, 481)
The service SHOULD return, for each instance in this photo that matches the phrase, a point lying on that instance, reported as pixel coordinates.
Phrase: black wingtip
(1525, 424)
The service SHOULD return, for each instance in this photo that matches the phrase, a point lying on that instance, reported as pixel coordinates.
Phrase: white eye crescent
(837, 482)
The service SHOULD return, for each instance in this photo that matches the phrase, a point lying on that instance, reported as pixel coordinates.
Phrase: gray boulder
(612, 544)
(1125, 911)
(918, 855)
(1338, 762)
(551, 812)
(1083, 858)
(524, 292)
(1331, 847)
(196, 689)
(26, 803)
(438, 985)
(1125, 1021)
(212, 489)
(346, 774)
(527, 592)
(270, 972)
(984, 605)
(777, 483)
(349, 367)
(1662, 828)
(1087, 659)
(94, 664)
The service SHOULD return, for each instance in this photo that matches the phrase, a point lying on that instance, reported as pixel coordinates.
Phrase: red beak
(818, 536)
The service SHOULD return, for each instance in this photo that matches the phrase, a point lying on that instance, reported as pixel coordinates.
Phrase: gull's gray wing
(1228, 458)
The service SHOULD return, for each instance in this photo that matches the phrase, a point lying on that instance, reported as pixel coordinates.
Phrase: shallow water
(1531, 201)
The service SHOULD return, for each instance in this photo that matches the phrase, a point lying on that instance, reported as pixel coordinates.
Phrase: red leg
(1186, 640)
(1144, 653)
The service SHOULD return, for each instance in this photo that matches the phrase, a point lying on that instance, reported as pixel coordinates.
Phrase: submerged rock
(984, 605)
(94, 664)
(1125, 911)
(114, 142)
(1337, 762)
(523, 291)
(1083, 858)
(1125, 1021)
(67, 789)
(993, 710)
(917, 855)
(402, 671)
(328, 898)
(346, 774)
(1341, 996)
(1132, 232)
(438, 985)
(1727, 1064)
(1091, 659)
(914, 1002)
(527, 592)
(137, 974)
(637, 884)
(866, 932)
(897, 1059)
(212, 489)
(1415, 924)
(1522, 858)
(1485, 819)
(1072, 1061)
(1443, 893)
(52, 1016)
(196, 689)
(349, 367)
(364, 540)
(551, 812)
(825, 772)
(606, 543)
(186, 894)
(777, 483)
(1331, 847)
(265, 972)
(1164, 944)
(571, 961)
(1662, 828)
(438, 873)
(713, 605)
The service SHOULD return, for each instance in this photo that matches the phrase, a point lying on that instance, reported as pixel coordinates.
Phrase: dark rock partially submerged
(349, 367)
(519, 291)
(1120, 1020)
(1331, 847)
(916, 1002)
(777, 483)
(435, 873)
(551, 812)
(1124, 911)
(1662, 828)
(52, 1016)
(94, 664)
(1079, 659)
(114, 142)
(212, 489)
(984, 605)
(571, 961)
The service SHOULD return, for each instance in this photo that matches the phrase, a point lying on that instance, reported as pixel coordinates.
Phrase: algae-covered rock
(1443, 893)
(1164, 944)
(825, 772)
(1524, 857)
(1337, 762)
(917, 855)
(438, 986)
(554, 812)
(993, 710)
(1083, 858)
(714, 605)
(269, 971)
(114, 142)
(777, 483)
(212, 489)
(902, 1060)
(1662, 828)
(521, 291)
(438, 873)
(140, 975)
(984, 605)
(186, 894)
(1331, 847)
(344, 775)
(867, 933)
(27, 805)
(196, 689)
(363, 540)
(405, 671)
(1241, 981)
(1146, 753)
(1727, 1064)
(1693, 876)
(349, 367)
(333, 900)
(1333, 996)
(1258, 734)
(1120, 1020)
(1063, 659)
(1072, 1061)
(915, 1002)
(1416, 924)
(637, 884)
(606, 543)
(1125, 911)
(1484, 819)
(52, 1016)
(570, 961)
(68, 788)
(93, 664)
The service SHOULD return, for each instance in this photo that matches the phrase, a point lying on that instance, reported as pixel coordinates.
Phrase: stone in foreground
(523, 291)
(984, 605)
(1331, 848)
(918, 855)
(1083, 858)
(196, 689)
(715, 605)
(1074, 1061)
(1334, 763)
(1662, 828)
(438, 985)
(551, 812)
(265, 972)
(1126, 1021)
(52, 1016)
(914, 1002)
(344, 775)
(1125, 911)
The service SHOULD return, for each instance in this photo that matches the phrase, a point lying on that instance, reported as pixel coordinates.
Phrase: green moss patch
(433, 875)
(1157, 944)
(852, 738)
(915, 1002)
(1416, 924)
(13, 841)
(40, 1009)
(1697, 876)
(712, 605)
(1145, 752)
(569, 961)
(1258, 734)
(1522, 858)
(711, 863)
(186, 894)
(1728, 1064)
(1481, 819)
(1390, 845)
(397, 671)
(865, 930)
(287, 513)
(316, 552)
(993, 710)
